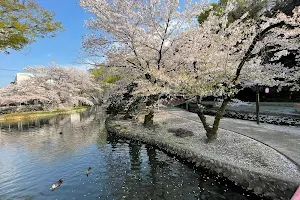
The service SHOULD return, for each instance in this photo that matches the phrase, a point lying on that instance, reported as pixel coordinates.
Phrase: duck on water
(88, 171)
(57, 184)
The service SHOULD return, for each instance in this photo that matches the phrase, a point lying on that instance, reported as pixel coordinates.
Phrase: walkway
(284, 139)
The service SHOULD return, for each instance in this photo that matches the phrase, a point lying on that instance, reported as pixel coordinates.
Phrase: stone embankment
(248, 163)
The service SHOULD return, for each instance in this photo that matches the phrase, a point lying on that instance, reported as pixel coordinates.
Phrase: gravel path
(284, 139)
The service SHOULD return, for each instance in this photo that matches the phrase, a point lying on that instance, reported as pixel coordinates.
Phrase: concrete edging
(261, 184)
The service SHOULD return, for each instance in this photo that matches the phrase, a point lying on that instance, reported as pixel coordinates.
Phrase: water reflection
(78, 131)
(135, 154)
(148, 173)
(33, 156)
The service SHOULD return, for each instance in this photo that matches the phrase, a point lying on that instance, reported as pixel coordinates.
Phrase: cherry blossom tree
(137, 34)
(172, 54)
(54, 86)
(218, 59)
(118, 85)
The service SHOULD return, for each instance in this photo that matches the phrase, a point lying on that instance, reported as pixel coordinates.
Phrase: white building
(22, 76)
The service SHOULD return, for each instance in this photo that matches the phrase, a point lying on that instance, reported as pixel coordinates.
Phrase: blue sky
(63, 49)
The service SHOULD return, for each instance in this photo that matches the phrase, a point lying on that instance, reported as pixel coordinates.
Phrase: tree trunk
(219, 115)
(202, 117)
(212, 132)
(148, 120)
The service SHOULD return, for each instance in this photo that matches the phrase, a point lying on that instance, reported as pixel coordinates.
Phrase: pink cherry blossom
(52, 86)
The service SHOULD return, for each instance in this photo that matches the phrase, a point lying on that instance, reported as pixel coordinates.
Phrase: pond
(34, 154)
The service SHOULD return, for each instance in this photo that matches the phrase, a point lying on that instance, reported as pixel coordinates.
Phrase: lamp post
(257, 104)
(267, 90)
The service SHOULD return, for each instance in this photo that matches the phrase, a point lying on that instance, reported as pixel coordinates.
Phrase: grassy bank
(14, 117)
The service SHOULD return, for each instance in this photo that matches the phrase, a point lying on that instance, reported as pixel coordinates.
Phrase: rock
(148, 122)
(180, 132)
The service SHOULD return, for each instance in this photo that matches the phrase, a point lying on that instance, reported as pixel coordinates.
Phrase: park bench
(297, 107)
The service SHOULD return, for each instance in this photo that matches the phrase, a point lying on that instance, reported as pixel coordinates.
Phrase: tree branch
(256, 39)
(162, 44)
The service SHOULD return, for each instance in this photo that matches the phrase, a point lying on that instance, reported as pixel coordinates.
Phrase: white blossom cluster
(52, 86)
(163, 40)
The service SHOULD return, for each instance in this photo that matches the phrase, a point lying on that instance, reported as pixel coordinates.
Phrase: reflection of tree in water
(135, 152)
(25, 125)
(102, 137)
(42, 136)
(113, 141)
(147, 173)
(85, 117)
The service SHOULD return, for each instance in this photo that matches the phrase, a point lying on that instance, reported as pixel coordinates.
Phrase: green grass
(27, 115)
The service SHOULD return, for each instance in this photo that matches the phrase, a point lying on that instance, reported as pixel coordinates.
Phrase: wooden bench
(297, 107)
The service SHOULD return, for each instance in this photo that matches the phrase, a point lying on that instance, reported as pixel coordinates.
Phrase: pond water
(34, 155)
